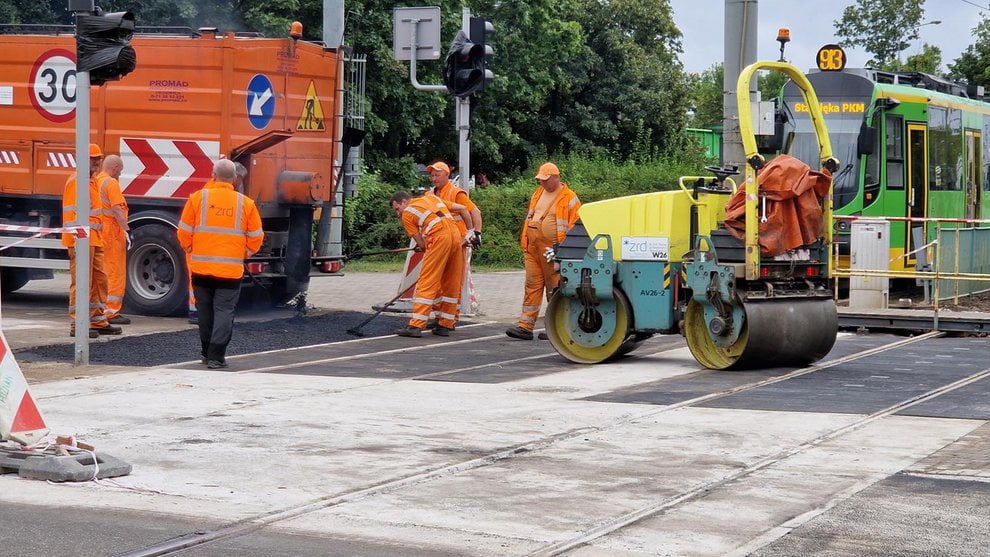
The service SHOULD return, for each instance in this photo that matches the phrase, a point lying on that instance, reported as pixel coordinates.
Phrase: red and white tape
(38, 231)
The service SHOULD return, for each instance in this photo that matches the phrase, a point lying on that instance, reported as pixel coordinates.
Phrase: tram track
(262, 520)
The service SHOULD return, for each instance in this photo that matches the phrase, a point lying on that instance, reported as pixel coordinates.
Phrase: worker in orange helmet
(469, 226)
(553, 210)
(240, 172)
(98, 324)
(430, 225)
(219, 228)
(116, 237)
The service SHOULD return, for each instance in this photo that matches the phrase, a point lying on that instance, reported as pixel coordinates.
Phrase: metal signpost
(82, 277)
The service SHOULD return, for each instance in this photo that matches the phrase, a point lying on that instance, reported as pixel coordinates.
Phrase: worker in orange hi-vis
(116, 237)
(429, 223)
(240, 172)
(219, 228)
(98, 324)
(468, 225)
(553, 210)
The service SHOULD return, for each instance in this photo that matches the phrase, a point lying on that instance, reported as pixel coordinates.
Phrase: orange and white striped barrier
(469, 304)
(39, 231)
(20, 419)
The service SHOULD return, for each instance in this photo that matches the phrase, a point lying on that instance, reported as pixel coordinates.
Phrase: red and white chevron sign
(166, 167)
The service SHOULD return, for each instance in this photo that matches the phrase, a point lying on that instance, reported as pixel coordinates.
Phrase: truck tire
(12, 279)
(157, 282)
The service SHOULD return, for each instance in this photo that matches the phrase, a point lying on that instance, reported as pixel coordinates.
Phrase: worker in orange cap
(468, 226)
(115, 236)
(219, 227)
(98, 324)
(553, 210)
(429, 223)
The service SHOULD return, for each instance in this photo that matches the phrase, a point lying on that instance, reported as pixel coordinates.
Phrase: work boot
(431, 324)
(409, 332)
(108, 330)
(542, 336)
(92, 333)
(441, 331)
(119, 320)
(216, 364)
(194, 318)
(519, 333)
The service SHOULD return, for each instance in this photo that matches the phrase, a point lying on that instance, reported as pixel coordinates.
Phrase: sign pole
(463, 121)
(82, 215)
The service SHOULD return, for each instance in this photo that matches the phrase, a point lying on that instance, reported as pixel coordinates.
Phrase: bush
(371, 225)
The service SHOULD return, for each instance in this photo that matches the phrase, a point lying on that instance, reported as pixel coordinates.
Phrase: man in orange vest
(115, 236)
(219, 228)
(428, 222)
(468, 226)
(98, 324)
(240, 172)
(553, 210)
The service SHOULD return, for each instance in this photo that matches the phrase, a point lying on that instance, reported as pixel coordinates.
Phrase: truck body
(271, 104)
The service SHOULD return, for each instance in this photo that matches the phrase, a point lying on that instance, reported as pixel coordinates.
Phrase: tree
(973, 66)
(707, 98)
(929, 61)
(882, 27)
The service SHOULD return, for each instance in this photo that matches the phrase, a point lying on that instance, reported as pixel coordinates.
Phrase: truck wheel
(12, 279)
(157, 281)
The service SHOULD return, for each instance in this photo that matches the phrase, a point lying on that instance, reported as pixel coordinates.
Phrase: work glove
(476, 240)
(549, 254)
(127, 236)
(469, 237)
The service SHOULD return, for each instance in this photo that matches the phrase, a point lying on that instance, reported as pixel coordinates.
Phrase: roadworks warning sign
(311, 118)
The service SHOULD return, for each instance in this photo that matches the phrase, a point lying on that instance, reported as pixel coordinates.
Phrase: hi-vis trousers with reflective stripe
(541, 279)
(97, 288)
(115, 261)
(440, 278)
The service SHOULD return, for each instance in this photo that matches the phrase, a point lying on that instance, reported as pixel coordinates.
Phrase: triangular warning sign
(311, 118)
(27, 418)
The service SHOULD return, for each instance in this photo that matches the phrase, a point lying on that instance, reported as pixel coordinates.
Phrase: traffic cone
(20, 419)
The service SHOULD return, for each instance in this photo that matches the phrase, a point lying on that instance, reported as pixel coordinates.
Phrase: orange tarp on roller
(794, 196)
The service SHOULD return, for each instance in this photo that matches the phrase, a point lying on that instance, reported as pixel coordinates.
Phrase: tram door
(917, 184)
(973, 175)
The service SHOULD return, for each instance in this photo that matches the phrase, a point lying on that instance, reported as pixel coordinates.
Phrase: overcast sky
(811, 25)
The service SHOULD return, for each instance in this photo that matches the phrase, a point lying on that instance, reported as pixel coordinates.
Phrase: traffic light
(103, 46)
(480, 31)
(465, 70)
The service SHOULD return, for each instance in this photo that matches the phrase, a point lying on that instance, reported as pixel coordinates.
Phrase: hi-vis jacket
(69, 213)
(219, 228)
(565, 211)
(426, 215)
(451, 194)
(110, 196)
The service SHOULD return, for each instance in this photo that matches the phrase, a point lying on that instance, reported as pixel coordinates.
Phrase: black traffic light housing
(103, 46)
(465, 70)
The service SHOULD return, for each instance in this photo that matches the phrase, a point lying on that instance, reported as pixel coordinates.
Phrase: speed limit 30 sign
(53, 85)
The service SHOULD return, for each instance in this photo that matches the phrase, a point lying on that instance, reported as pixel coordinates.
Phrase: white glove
(468, 237)
(127, 235)
(549, 254)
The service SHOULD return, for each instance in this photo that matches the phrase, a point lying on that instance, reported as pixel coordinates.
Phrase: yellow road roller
(743, 275)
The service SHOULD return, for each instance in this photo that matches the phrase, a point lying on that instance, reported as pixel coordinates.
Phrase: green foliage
(882, 27)
(929, 60)
(707, 96)
(973, 66)
(369, 222)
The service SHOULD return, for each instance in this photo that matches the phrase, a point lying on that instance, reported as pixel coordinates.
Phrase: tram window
(894, 144)
(944, 148)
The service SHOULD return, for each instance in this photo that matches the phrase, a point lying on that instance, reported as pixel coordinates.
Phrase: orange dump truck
(271, 104)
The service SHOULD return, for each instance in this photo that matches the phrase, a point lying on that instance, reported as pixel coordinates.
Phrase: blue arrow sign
(260, 101)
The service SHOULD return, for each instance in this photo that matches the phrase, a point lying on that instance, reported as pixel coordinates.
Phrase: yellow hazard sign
(311, 118)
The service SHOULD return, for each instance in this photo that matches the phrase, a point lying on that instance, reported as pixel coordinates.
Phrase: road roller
(667, 263)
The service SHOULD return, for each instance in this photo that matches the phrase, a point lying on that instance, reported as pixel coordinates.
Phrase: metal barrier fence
(958, 258)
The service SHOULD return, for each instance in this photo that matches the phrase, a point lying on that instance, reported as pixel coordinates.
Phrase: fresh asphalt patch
(248, 337)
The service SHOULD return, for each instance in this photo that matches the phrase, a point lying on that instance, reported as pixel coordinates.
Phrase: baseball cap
(94, 151)
(547, 170)
(439, 165)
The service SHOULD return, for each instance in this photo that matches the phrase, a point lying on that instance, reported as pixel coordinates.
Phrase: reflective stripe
(447, 316)
(114, 298)
(430, 226)
(421, 316)
(237, 214)
(97, 318)
(218, 230)
(96, 225)
(448, 299)
(254, 234)
(531, 308)
(203, 203)
(186, 227)
(426, 301)
(421, 215)
(562, 223)
(96, 306)
(526, 319)
(68, 208)
(457, 217)
(217, 259)
(573, 201)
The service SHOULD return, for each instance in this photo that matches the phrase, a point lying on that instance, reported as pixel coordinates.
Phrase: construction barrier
(20, 419)
(469, 303)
